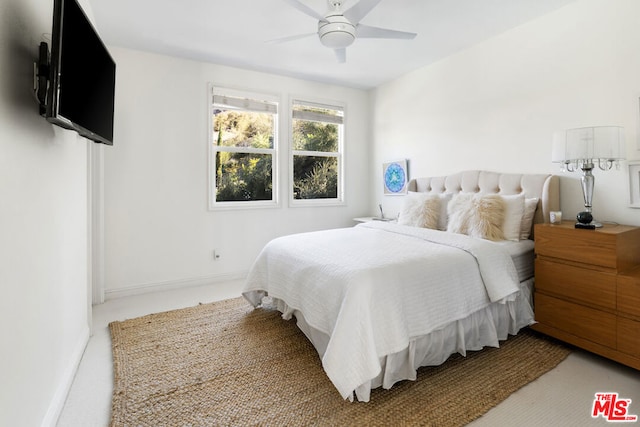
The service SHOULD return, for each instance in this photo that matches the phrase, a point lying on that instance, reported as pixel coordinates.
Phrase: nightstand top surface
(606, 228)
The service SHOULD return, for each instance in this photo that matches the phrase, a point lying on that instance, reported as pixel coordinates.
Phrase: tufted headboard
(542, 186)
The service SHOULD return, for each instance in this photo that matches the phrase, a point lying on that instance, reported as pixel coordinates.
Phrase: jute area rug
(225, 363)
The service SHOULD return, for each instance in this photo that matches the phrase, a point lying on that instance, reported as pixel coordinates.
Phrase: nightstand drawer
(629, 336)
(612, 246)
(595, 288)
(583, 246)
(629, 295)
(584, 322)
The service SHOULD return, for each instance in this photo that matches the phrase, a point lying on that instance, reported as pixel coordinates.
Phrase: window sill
(230, 206)
(305, 203)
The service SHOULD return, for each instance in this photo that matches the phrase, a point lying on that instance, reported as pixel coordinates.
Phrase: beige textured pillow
(487, 218)
(420, 210)
(459, 209)
(477, 215)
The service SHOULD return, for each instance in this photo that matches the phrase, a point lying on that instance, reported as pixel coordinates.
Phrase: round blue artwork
(394, 178)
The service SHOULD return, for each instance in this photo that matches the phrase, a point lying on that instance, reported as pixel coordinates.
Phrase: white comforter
(374, 287)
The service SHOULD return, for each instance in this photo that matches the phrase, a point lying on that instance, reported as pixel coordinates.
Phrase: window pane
(242, 129)
(243, 177)
(315, 177)
(315, 136)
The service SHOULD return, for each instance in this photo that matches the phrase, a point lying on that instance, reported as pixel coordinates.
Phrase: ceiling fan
(339, 28)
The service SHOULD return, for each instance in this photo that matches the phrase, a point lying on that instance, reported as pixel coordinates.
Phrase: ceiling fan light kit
(337, 32)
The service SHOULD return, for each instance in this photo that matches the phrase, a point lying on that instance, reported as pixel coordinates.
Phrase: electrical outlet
(216, 255)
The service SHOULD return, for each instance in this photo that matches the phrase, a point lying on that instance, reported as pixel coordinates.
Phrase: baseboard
(60, 396)
(144, 288)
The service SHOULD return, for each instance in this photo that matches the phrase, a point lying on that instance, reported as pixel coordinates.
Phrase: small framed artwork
(395, 177)
(634, 184)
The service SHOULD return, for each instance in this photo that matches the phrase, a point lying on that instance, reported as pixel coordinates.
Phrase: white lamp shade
(589, 143)
(579, 144)
(608, 143)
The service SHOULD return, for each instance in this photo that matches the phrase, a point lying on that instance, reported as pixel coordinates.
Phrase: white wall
(495, 106)
(43, 233)
(158, 229)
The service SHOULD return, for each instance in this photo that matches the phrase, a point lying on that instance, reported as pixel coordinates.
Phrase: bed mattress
(523, 255)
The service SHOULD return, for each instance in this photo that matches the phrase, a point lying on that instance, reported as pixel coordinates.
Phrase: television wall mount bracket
(41, 77)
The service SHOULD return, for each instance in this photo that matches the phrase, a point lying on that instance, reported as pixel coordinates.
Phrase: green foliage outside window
(315, 136)
(243, 176)
(243, 129)
(315, 176)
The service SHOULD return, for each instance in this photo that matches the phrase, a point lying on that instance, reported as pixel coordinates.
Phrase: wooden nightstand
(587, 288)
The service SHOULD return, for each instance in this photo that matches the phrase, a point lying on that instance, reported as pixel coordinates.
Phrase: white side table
(363, 219)
(373, 218)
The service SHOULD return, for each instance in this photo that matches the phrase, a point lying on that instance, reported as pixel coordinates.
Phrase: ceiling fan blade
(290, 38)
(305, 9)
(365, 31)
(341, 55)
(360, 10)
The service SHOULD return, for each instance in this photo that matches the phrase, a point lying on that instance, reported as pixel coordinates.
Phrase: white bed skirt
(485, 327)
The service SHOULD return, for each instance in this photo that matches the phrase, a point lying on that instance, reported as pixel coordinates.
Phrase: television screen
(82, 76)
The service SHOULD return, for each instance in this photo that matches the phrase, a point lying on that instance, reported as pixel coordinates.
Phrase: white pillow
(530, 206)
(458, 210)
(514, 210)
(420, 210)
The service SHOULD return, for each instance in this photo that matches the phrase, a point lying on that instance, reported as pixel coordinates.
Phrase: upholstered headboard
(546, 188)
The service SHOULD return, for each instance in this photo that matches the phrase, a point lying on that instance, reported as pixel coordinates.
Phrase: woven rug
(227, 364)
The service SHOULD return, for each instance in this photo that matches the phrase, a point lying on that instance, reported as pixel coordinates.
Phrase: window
(243, 149)
(317, 144)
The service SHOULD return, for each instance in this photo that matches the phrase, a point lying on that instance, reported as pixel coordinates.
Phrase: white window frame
(340, 199)
(215, 91)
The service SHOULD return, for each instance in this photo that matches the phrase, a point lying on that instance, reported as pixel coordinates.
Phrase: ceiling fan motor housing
(337, 32)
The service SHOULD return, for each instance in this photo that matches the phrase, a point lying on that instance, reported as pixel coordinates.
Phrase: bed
(381, 299)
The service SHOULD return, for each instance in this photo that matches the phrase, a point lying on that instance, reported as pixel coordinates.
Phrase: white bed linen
(374, 288)
(484, 328)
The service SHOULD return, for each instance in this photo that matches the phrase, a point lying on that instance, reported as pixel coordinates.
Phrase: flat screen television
(82, 76)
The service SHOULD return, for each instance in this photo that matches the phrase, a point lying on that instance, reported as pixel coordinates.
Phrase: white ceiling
(234, 32)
